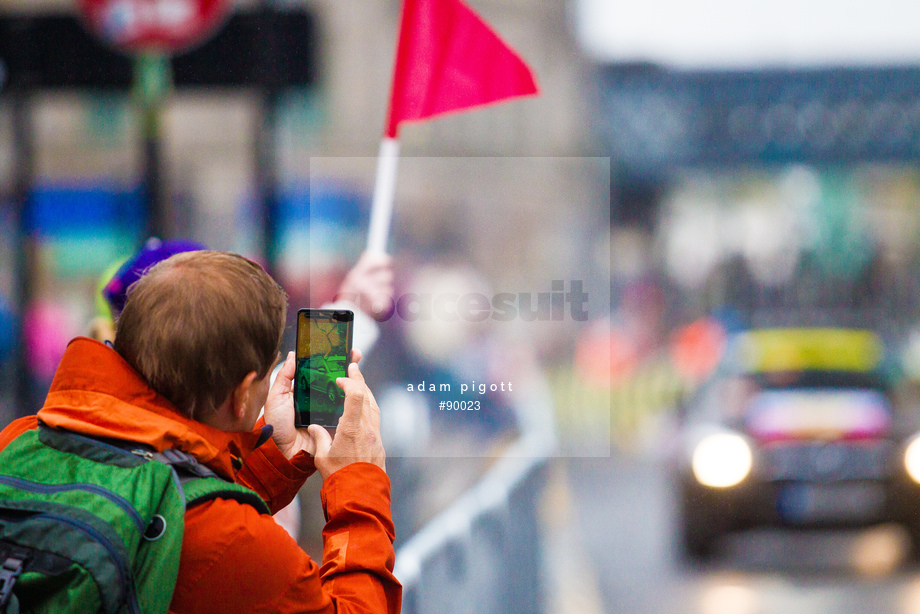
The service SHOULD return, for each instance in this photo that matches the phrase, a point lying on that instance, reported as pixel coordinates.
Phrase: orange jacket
(234, 559)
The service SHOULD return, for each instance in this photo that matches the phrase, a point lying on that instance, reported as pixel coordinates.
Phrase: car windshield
(726, 399)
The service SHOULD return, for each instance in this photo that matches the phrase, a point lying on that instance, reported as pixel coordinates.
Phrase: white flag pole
(384, 193)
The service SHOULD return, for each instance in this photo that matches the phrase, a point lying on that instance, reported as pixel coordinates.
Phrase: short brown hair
(197, 323)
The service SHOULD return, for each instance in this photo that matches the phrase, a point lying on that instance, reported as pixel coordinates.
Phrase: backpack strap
(199, 484)
(199, 490)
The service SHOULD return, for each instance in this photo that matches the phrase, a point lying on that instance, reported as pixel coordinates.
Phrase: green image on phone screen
(323, 354)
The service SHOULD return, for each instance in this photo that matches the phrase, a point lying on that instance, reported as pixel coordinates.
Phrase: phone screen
(323, 353)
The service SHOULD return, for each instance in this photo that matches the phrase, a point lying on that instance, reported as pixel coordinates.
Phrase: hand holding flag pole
(448, 60)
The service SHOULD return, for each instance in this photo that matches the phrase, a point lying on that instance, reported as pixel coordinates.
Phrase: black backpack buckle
(9, 571)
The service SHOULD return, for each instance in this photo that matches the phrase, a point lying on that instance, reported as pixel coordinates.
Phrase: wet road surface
(623, 516)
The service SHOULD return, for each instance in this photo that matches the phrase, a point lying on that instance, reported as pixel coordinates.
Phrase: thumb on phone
(321, 440)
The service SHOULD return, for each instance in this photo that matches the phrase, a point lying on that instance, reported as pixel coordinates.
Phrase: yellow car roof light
(810, 349)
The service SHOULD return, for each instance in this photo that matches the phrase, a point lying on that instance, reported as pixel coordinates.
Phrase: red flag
(449, 59)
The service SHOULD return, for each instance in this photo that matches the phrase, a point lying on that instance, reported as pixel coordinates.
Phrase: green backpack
(96, 526)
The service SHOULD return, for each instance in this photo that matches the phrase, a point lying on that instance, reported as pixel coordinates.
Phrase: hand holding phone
(357, 440)
(279, 410)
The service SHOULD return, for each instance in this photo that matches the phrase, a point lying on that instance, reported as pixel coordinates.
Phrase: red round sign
(160, 26)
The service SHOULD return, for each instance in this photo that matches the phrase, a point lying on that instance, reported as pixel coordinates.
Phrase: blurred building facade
(765, 162)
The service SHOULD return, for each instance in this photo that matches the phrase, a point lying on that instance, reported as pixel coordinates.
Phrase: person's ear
(240, 397)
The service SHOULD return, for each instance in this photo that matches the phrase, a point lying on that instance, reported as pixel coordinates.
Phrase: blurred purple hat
(154, 251)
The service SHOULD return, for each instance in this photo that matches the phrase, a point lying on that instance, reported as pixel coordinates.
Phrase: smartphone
(323, 353)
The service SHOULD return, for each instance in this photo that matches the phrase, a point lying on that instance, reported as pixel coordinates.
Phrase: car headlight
(724, 459)
(912, 459)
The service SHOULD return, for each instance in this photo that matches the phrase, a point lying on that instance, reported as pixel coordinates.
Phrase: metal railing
(483, 553)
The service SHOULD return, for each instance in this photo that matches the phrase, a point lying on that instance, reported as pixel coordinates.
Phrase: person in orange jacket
(190, 369)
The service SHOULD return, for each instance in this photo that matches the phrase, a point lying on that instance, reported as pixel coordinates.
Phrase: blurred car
(798, 428)
(319, 372)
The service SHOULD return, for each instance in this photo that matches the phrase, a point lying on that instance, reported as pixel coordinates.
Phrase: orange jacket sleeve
(358, 555)
(237, 561)
(275, 478)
